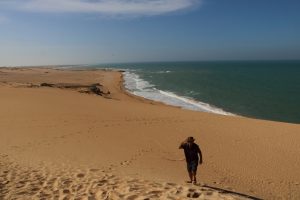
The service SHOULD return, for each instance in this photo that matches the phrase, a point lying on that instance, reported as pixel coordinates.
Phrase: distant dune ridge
(76, 134)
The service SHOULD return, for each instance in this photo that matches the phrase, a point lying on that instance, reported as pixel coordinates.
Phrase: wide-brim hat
(190, 139)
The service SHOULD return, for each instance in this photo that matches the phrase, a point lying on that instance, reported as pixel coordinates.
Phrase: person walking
(191, 152)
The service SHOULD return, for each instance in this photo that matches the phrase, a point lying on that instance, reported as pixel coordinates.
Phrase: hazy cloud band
(105, 7)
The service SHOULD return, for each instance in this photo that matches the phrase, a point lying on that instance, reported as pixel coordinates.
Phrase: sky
(53, 32)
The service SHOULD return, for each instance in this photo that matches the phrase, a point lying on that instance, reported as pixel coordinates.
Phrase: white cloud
(106, 7)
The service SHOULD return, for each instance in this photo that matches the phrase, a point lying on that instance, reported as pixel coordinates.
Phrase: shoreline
(148, 100)
(125, 135)
(151, 101)
(187, 103)
(146, 82)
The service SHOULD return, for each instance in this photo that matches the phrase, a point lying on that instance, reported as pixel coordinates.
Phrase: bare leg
(194, 179)
(191, 176)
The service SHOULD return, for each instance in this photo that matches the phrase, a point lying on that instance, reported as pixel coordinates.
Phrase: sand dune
(60, 143)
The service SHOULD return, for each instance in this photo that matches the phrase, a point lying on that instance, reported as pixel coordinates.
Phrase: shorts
(192, 166)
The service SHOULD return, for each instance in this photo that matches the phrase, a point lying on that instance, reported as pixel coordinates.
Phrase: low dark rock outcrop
(47, 85)
(96, 88)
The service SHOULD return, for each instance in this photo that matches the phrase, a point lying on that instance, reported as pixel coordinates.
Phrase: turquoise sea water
(258, 89)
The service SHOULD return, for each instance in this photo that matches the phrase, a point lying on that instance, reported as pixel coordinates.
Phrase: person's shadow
(230, 192)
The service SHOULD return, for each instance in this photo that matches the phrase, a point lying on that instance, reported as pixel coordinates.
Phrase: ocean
(267, 90)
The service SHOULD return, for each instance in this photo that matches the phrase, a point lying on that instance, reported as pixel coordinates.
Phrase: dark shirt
(191, 152)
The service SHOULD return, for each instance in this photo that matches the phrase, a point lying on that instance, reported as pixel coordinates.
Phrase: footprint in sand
(67, 182)
(131, 197)
(102, 182)
(125, 163)
(94, 170)
(80, 175)
(66, 191)
(36, 189)
(193, 195)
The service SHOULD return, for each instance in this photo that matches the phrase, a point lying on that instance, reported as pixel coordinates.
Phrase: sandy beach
(76, 134)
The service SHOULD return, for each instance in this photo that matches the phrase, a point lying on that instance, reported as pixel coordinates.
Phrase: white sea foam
(137, 86)
(163, 72)
(134, 83)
